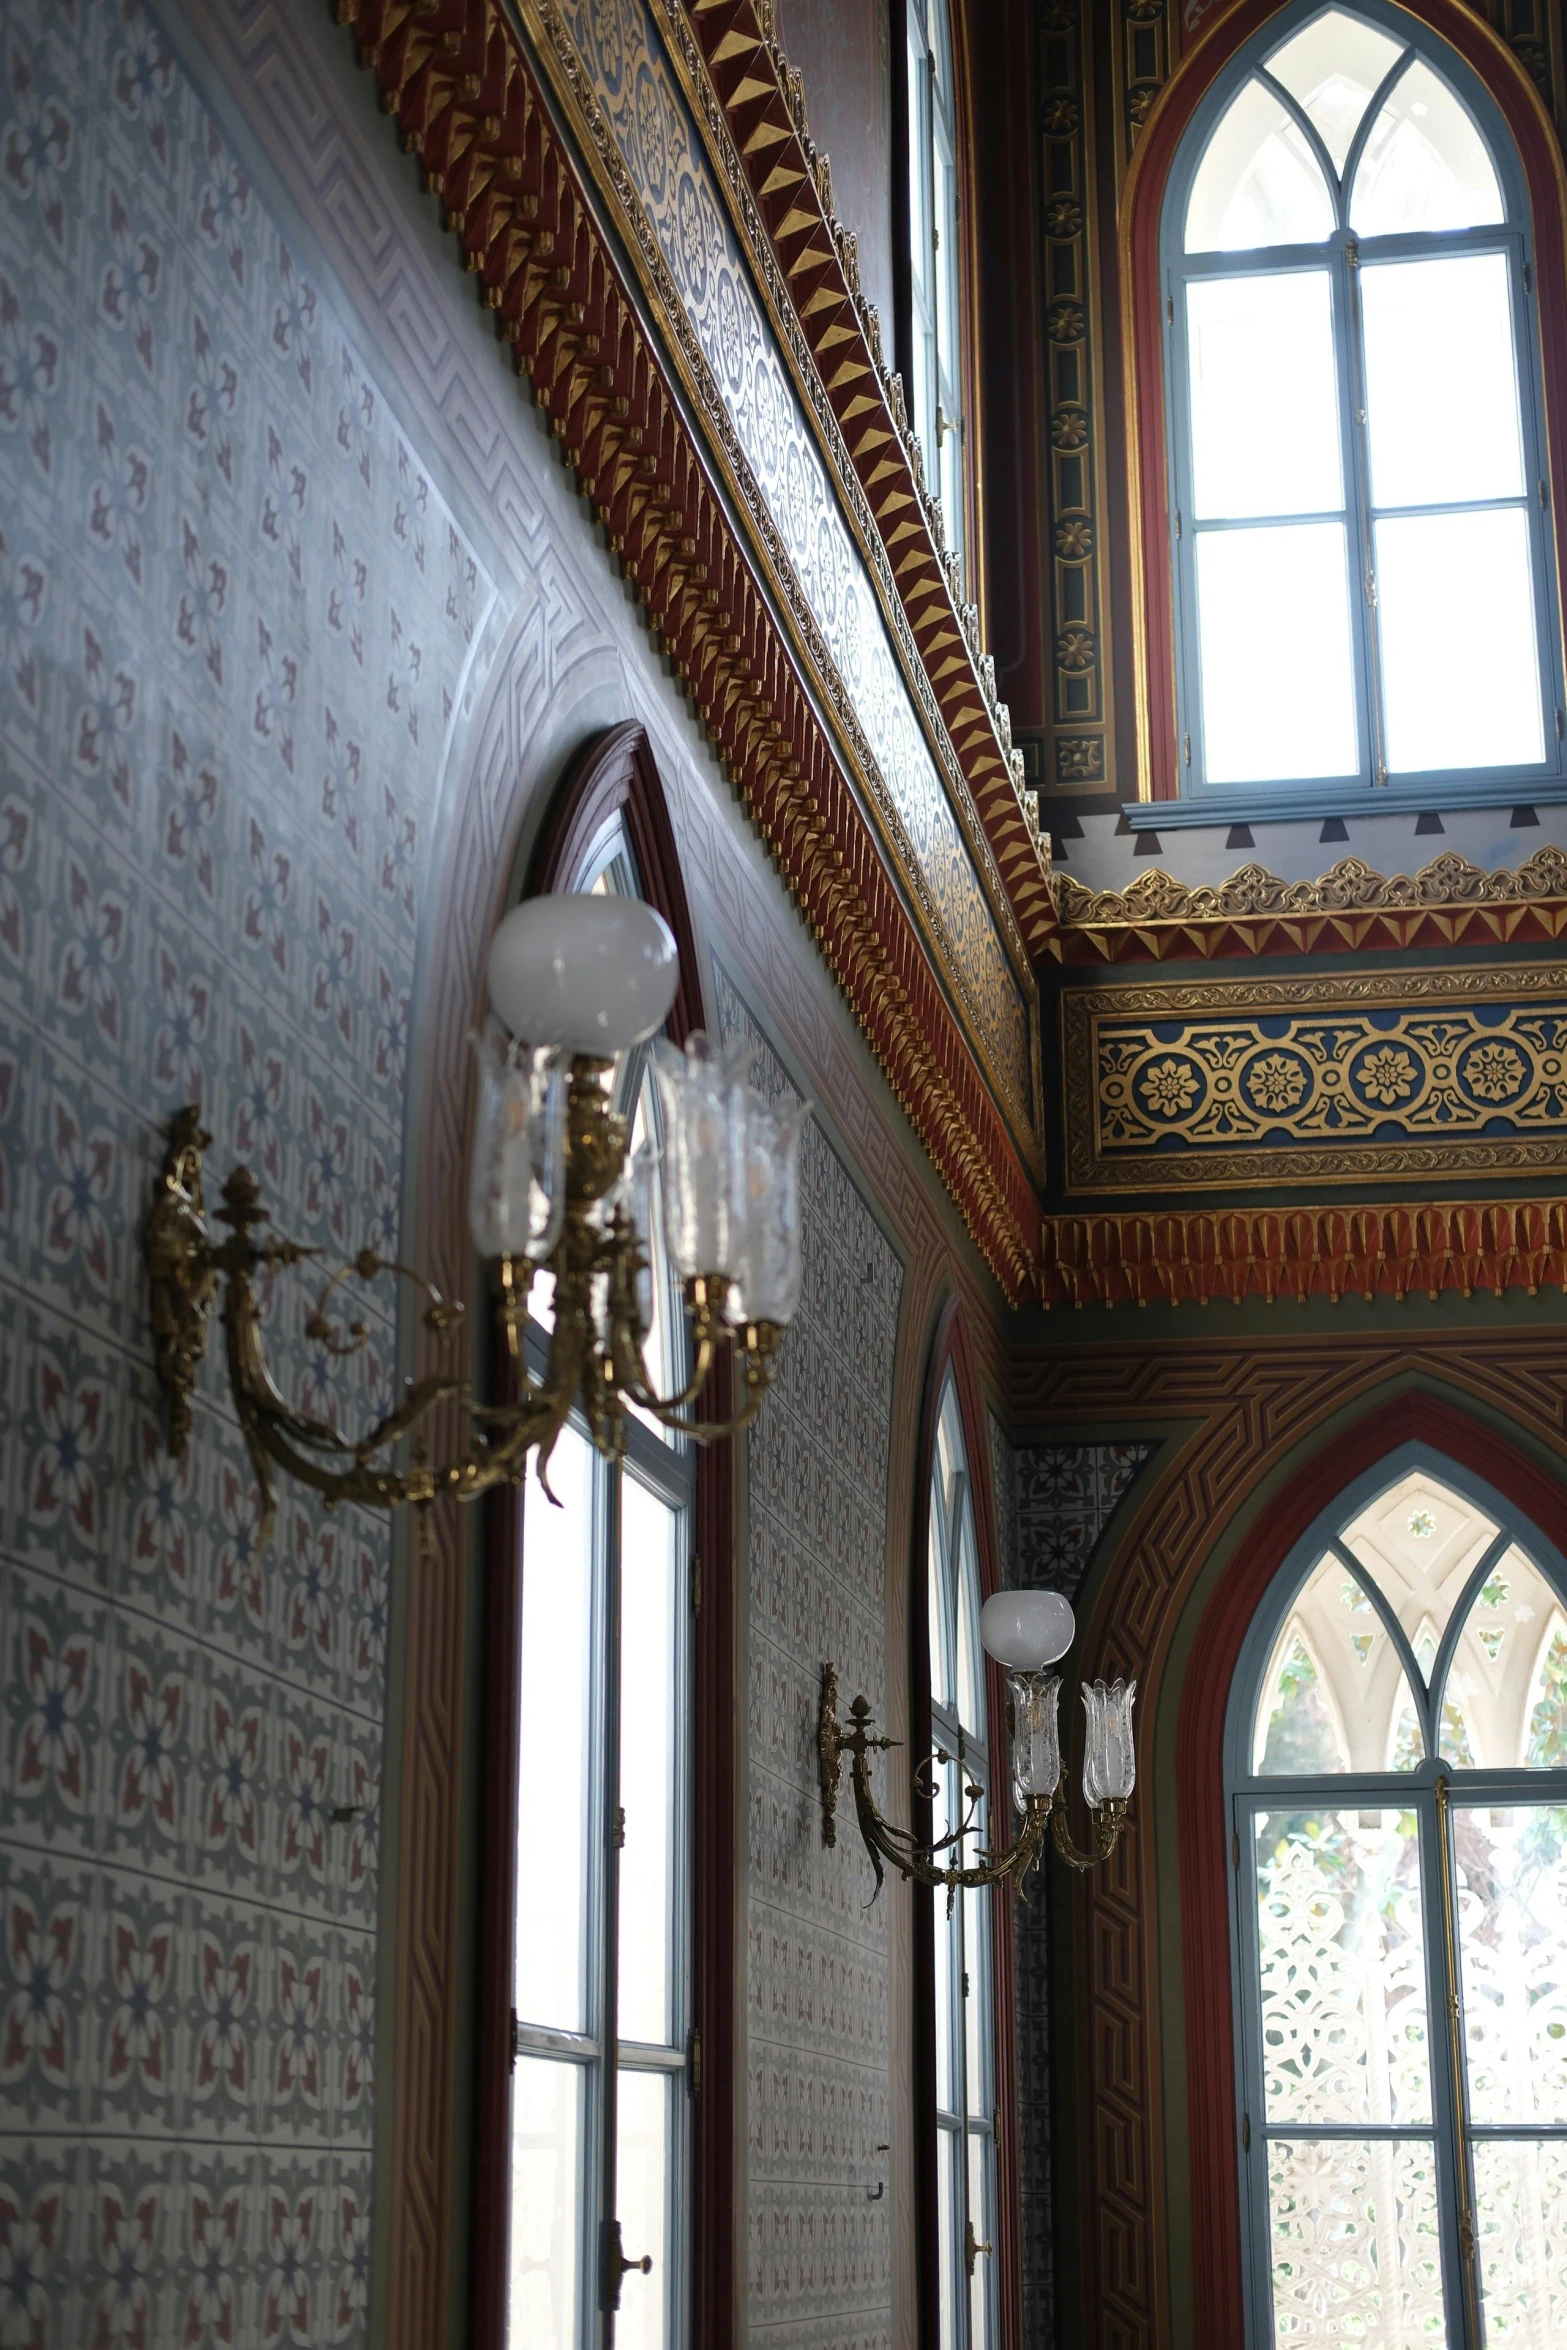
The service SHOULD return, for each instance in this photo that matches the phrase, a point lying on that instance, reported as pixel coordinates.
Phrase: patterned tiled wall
(235, 621)
(817, 2046)
(1052, 1504)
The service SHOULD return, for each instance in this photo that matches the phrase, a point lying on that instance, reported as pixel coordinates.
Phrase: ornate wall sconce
(585, 978)
(1025, 1631)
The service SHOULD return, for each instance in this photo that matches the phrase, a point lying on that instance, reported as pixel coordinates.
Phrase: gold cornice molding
(749, 105)
(1448, 902)
(468, 106)
(839, 387)
(597, 143)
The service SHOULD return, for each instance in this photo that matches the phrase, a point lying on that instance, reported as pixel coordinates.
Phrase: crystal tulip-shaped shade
(768, 1263)
(1036, 1734)
(517, 1188)
(702, 1092)
(1109, 1757)
(1024, 1630)
(585, 973)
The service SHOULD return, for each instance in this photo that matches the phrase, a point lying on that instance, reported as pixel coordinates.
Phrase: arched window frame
(1248, 1793)
(952, 1372)
(1524, 145)
(610, 807)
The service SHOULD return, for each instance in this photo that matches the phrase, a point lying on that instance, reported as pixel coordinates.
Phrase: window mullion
(1455, 2171)
(1357, 485)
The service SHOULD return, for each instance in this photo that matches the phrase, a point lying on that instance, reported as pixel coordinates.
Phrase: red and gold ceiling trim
(463, 91)
(752, 114)
(1197, 1257)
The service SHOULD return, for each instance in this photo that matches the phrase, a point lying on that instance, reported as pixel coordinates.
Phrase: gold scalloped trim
(1350, 887)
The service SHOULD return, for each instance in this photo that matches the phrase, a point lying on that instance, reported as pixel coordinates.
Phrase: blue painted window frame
(1247, 1795)
(1201, 802)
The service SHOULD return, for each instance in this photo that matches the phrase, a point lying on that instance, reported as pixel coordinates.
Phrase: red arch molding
(1203, 1832)
(1540, 155)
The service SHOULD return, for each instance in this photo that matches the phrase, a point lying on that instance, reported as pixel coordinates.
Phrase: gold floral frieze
(1322, 1080)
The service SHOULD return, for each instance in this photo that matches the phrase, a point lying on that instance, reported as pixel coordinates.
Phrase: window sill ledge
(1286, 804)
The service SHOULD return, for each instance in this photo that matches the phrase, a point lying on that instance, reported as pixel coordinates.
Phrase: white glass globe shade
(1026, 1630)
(589, 974)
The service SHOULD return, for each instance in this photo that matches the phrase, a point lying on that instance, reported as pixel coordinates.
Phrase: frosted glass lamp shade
(517, 1182)
(586, 974)
(1109, 1756)
(1026, 1630)
(702, 1091)
(1036, 1735)
(768, 1264)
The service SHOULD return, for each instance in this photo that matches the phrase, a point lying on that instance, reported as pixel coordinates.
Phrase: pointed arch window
(1358, 483)
(1398, 1789)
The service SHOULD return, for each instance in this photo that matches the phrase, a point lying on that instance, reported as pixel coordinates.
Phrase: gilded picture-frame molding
(1384, 1054)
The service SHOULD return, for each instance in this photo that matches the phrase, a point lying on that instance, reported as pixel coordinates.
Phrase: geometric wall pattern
(1053, 1502)
(817, 2048)
(234, 621)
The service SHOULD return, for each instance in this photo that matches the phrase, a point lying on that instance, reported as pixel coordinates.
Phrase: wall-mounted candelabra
(583, 979)
(1026, 1632)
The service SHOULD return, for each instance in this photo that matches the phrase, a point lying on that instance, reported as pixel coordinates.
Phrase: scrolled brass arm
(1044, 1817)
(898, 1848)
(595, 1348)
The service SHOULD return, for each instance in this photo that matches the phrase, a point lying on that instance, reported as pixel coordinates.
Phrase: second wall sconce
(1026, 1632)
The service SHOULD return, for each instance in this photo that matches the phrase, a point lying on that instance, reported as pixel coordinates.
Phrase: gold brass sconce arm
(595, 1348)
(1043, 1816)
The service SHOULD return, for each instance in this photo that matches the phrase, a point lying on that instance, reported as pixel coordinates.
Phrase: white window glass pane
(1460, 664)
(949, 2236)
(546, 2166)
(1511, 1866)
(971, 1673)
(1258, 182)
(642, 2207)
(659, 1347)
(1264, 395)
(1333, 1685)
(1513, 1628)
(945, 1952)
(1545, 1710)
(1340, 1935)
(1521, 2224)
(1356, 2252)
(1333, 68)
(649, 1595)
(553, 1838)
(939, 1598)
(1277, 668)
(982, 2219)
(1441, 381)
(976, 2005)
(1424, 165)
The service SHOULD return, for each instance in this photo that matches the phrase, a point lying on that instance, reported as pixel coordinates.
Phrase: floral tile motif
(818, 2030)
(222, 734)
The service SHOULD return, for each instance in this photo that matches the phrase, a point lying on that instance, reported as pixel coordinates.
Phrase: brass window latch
(616, 2264)
(972, 2248)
